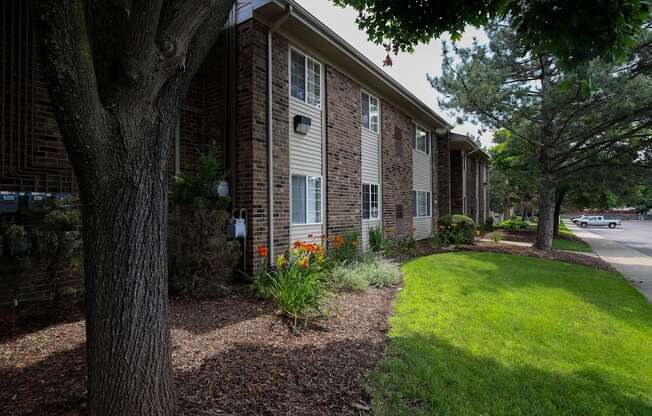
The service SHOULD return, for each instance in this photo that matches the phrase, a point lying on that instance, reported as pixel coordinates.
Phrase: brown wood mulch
(232, 356)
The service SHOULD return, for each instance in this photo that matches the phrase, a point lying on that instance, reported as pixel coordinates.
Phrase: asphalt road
(636, 235)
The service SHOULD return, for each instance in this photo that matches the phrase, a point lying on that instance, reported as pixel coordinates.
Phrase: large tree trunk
(559, 200)
(546, 216)
(117, 74)
(125, 263)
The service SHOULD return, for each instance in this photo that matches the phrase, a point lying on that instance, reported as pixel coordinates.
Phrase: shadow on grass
(495, 273)
(422, 375)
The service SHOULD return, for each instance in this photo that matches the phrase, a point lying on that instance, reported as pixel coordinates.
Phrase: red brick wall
(396, 171)
(444, 175)
(435, 180)
(281, 126)
(251, 146)
(457, 201)
(32, 156)
(472, 204)
(343, 154)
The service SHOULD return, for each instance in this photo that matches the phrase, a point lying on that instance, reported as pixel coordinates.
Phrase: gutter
(270, 134)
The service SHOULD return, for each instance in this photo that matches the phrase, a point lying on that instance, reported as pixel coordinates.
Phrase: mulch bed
(567, 256)
(423, 249)
(232, 356)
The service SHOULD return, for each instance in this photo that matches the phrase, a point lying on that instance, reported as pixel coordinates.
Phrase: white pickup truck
(596, 221)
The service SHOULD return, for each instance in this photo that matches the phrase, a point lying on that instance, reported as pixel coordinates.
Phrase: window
(305, 78)
(370, 202)
(420, 204)
(306, 199)
(369, 112)
(421, 139)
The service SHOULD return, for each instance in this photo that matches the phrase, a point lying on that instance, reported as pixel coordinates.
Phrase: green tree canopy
(560, 125)
(576, 31)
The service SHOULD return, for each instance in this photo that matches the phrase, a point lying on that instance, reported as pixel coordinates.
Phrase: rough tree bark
(559, 200)
(118, 72)
(547, 184)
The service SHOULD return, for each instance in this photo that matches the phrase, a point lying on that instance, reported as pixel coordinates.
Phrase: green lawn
(566, 244)
(572, 245)
(494, 334)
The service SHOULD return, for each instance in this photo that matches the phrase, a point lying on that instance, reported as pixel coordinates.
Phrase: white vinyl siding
(422, 179)
(306, 150)
(370, 157)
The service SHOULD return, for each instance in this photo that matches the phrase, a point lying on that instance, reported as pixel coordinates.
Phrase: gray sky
(409, 70)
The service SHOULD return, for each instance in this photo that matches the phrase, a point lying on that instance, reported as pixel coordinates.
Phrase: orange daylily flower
(304, 262)
(262, 250)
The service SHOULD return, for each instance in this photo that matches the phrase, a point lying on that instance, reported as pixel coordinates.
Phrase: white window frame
(370, 97)
(427, 136)
(305, 202)
(377, 216)
(415, 202)
(305, 77)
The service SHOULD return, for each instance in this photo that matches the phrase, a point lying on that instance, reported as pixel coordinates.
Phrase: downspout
(270, 133)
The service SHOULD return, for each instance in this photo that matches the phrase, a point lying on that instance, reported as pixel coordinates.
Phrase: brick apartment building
(317, 139)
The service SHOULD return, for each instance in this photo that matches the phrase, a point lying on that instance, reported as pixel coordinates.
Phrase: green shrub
(401, 246)
(488, 224)
(514, 223)
(457, 229)
(376, 239)
(496, 237)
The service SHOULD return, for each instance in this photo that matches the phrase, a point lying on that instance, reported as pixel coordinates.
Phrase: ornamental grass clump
(375, 271)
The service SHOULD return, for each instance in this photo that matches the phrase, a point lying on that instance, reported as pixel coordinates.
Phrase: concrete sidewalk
(634, 265)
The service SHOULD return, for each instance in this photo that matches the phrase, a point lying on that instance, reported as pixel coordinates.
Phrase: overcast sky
(409, 70)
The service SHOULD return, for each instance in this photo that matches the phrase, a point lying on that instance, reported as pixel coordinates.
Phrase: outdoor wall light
(302, 124)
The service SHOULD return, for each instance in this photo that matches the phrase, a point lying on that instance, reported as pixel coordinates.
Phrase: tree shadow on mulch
(35, 317)
(246, 380)
(55, 386)
(263, 380)
(202, 316)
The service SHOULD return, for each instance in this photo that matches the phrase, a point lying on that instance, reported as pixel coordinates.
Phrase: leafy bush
(496, 237)
(401, 246)
(488, 224)
(376, 239)
(200, 257)
(199, 188)
(514, 223)
(456, 229)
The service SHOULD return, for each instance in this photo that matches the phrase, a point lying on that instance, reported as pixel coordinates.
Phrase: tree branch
(68, 62)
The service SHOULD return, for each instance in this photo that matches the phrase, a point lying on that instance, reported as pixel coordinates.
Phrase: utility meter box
(35, 198)
(237, 228)
(8, 203)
